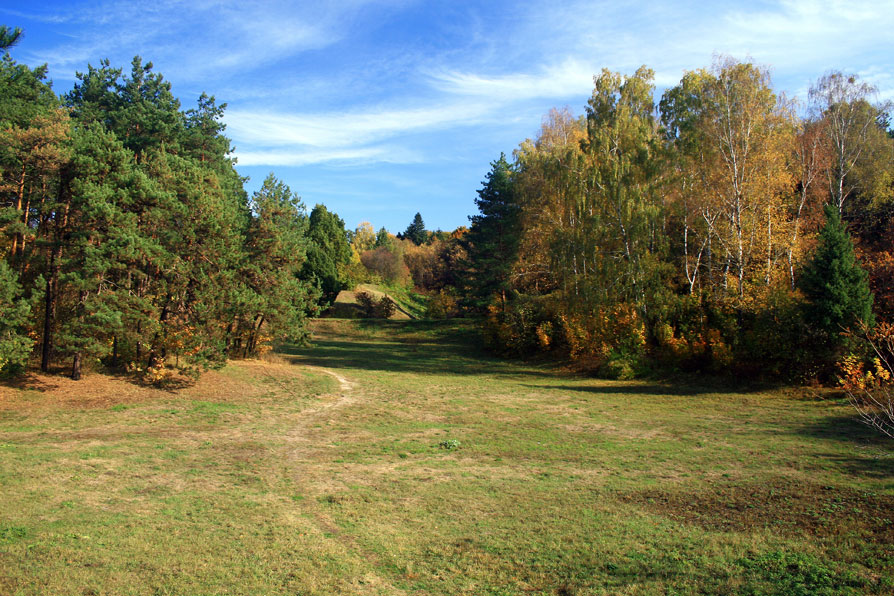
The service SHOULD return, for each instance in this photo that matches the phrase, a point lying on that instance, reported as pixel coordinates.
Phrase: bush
(442, 306)
(388, 264)
(367, 304)
(383, 308)
(869, 385)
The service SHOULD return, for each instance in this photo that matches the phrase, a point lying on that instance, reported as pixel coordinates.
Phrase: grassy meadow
(395, 458)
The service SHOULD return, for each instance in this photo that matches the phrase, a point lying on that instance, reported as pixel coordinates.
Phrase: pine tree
(278, 302)
(15, 345)
(9, 37)
(836, 287)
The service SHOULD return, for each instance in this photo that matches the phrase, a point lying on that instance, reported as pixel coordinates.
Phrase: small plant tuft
(449, 444)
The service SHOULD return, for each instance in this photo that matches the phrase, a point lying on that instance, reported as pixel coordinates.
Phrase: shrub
(367, 304)
(384, 308)
(869, 384)
(449, 444)
(442, 306)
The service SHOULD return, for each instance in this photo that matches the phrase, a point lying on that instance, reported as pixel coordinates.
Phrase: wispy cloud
(196, 38)
(342, 129)
(569, 78)
(348, 156)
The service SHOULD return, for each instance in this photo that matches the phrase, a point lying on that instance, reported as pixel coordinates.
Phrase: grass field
(394, 458)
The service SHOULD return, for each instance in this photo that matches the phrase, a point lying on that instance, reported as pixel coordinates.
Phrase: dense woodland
(714, 230)
(129, 238)
(724, 227)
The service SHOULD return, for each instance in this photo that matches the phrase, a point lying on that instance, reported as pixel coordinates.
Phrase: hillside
(409, 304)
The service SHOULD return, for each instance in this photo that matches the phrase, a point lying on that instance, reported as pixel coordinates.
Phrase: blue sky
(382, 108)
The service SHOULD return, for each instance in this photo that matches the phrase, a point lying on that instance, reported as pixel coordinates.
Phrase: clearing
(394, 458)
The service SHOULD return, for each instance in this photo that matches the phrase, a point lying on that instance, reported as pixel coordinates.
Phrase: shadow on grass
(847, 429)
(29, 381)
(869, 452)
(651, 389)
(409, 346)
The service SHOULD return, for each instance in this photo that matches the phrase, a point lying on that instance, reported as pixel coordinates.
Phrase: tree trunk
(157, 353)
(76, 367)
(48, 319)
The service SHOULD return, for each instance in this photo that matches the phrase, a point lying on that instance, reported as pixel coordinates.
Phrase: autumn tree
(843, 102)
(621, 216)
(731, 138)
(549, 184)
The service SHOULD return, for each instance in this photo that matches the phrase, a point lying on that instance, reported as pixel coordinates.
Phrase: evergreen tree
(97, 236)
(415, 232)
(493, 239)
(278, 301)
(383, 238)
(328, 252)
(15, 345)
(9, 37)
(836, 287)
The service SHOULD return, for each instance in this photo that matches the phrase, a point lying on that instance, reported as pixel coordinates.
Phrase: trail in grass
(396, 457)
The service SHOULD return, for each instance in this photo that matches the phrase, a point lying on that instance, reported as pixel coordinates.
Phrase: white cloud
(348, 156)
(346, 129)
(569, 78)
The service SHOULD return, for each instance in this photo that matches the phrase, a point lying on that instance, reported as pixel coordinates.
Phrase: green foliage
(449, 444)
(15, 346)
(796, 574)
(415, 232)
(836, 287)
(383, 308)
(328, 253)
(9, 37)
(492, 241)
(136, 241)
(383, 239)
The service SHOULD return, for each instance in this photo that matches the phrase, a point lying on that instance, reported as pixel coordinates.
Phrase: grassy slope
(268, 478)
(410, 304)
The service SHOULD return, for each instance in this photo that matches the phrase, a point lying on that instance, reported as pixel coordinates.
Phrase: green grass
(432, 468)
(407, 300)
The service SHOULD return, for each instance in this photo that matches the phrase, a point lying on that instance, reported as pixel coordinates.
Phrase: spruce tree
(836, 287)
(493, 239)
(415, 232)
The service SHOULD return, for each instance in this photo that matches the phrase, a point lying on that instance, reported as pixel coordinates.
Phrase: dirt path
(304, 455)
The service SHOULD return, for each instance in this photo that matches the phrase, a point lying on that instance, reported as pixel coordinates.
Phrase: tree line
(128, 236)
(710, 230)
